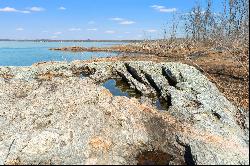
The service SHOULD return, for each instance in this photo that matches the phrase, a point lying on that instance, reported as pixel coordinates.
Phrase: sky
(90, 19)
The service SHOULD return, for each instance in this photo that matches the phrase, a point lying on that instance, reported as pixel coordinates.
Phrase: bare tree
(174, 27)
(194, 22)
(231, 25)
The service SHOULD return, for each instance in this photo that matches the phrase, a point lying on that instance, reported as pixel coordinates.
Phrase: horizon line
(71, 39)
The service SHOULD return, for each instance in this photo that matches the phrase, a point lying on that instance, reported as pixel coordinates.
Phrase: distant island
(88, 40)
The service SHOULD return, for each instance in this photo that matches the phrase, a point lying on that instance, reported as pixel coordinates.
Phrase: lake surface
(16, 53)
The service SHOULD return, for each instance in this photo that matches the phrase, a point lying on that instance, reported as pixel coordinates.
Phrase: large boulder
(58, 113)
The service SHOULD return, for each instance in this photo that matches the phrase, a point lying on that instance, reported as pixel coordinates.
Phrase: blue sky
(89, 19)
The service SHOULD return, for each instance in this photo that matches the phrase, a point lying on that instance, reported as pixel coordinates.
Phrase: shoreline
(230, 76)
(55, 103)
(125, 41)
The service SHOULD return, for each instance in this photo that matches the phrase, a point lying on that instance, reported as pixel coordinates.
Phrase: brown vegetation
(6, 76)
(216, 43)
(49, 75)
(230, 75)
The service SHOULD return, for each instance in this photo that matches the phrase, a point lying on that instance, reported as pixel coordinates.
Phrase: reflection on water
(120, 88)
(161, 104)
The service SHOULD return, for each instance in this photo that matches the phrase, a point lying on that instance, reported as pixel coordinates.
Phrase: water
(120, 88)
(14, 53)
(27, 53)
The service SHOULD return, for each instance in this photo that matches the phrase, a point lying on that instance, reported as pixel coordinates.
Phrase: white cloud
(62, 8)
(110, 32)
(25, 11)
(19, 29)
(10, 9)
(158, 7)
(163, 9)
(122, 21)
(36, 9)
(116, 19)
(54, 37)
(57, 33)
(92, 29)
(127, 32)
(29, 10)
(151, 30)
(91, 22)
(169, 10)
(127, 22)
(75, 29)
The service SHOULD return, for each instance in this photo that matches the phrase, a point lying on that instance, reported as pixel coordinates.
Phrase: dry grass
(227, 68)
(6, 76)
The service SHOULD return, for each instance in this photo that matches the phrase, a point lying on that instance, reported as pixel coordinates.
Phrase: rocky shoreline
(58, 113)
(153, 48)
(119, 48)
(228, 68)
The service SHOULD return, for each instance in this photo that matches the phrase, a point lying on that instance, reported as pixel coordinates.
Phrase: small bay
(26, 53)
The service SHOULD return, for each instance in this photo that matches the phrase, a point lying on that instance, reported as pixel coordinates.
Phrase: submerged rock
(51, 116)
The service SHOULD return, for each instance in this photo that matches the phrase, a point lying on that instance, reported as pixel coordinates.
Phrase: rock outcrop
(58, 113)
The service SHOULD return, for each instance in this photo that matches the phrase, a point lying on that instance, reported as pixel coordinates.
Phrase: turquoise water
(14, 53)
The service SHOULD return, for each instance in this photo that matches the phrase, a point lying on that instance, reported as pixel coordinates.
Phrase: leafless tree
(231, 25)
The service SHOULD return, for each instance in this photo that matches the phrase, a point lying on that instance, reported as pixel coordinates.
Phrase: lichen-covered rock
(59, 114)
